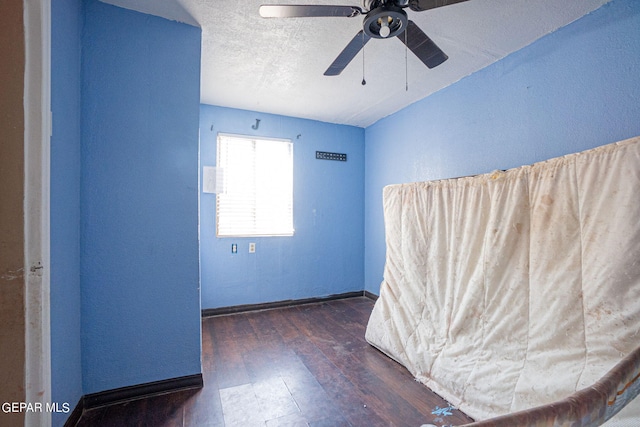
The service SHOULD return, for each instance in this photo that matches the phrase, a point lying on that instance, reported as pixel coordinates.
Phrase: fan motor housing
(394, 17)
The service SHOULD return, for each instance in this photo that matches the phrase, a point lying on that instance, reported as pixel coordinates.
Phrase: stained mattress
(514, 289)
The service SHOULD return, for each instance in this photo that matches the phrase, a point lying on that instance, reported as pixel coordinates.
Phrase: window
(258, 187)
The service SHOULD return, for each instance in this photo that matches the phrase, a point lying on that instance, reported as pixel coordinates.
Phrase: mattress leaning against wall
(514, 289)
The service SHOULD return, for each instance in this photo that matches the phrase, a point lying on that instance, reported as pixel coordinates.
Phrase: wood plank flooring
(307, 365)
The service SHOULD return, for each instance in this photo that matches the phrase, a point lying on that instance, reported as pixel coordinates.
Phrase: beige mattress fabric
(514, 289)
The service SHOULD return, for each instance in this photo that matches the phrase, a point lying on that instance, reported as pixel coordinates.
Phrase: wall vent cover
(323, 155)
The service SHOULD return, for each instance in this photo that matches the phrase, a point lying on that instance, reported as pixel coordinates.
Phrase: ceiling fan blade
(422, 46)
(347, 54)
(422, 5)
(307, 11)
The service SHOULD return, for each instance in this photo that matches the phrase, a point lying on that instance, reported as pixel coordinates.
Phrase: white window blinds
(258, 187)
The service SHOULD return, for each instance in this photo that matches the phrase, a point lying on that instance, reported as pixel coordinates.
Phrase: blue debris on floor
(443, 411)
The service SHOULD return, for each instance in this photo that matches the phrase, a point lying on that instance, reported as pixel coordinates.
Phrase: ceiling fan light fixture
(384, 22)
(384, 27)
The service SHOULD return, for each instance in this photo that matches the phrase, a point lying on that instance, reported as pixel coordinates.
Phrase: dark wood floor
(300, 366)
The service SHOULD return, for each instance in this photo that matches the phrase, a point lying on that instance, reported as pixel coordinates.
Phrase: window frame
(255, 140)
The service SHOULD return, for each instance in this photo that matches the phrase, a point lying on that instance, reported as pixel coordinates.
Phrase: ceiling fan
(382, 19)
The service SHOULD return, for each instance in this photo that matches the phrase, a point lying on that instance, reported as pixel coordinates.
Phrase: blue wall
(324, 257)
(66, 369)
(139, 197)
(572, 90)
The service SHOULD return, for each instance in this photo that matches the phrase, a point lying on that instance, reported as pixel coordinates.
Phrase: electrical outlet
(234, 248)
(252, 248)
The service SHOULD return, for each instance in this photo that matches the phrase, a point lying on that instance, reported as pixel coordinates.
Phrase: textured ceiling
(277, 65)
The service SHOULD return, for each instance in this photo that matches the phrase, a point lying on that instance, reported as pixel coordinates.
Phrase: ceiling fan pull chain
(364, 82)
(406, 65)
